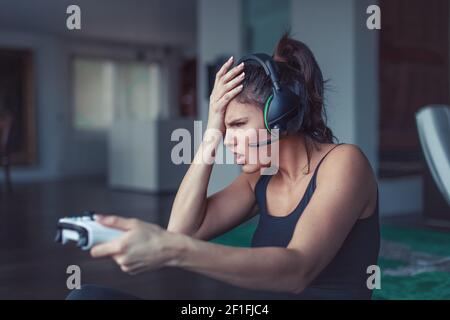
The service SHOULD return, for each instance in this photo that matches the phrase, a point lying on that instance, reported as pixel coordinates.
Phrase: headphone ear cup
(266, 112)
(281, 110)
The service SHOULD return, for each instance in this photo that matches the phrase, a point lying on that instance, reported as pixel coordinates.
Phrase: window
(105, 90)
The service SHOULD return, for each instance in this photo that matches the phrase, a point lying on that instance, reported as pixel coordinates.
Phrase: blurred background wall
(168, 47)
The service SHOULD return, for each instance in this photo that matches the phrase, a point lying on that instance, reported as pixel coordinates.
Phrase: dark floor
(32, 266)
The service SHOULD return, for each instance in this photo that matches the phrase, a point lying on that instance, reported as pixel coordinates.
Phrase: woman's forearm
(189, 206)
(270, 268)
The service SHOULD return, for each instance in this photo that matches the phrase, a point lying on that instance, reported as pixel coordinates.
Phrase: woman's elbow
(299, 287)
(302, 281)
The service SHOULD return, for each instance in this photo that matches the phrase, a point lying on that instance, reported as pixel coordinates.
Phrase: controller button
(82, 242)
(58, 237)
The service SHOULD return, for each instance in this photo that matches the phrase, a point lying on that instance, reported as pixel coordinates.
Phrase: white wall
(366, 83)
(327, 27)
(401, 196)
(348, 56)
(219, 32)
(347, 52)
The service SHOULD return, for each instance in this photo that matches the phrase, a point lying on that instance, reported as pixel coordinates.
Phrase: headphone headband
(268, 65)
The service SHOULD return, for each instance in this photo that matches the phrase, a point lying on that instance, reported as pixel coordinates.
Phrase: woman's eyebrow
(234, 121)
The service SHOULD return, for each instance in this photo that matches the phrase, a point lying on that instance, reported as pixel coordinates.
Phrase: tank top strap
(262, 181)
(313, 179)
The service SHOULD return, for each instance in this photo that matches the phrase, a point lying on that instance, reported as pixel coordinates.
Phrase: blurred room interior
(86, 118)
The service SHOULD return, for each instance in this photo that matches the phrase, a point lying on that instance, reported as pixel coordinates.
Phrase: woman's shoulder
(347, 170)
(347, 154)
(348, 161)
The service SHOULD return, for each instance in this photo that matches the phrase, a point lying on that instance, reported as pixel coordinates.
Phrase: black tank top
(346, 275)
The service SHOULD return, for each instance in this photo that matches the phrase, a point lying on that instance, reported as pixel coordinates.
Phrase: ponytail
(299, 57)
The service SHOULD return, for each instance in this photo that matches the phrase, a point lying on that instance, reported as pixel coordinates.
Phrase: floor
(32, 266)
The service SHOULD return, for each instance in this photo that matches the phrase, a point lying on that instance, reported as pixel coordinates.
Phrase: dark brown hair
(296, 67)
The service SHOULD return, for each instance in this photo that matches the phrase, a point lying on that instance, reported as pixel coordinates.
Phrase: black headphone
(284, 109)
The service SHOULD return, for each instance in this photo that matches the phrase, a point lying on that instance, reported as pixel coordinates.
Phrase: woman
(318, 230)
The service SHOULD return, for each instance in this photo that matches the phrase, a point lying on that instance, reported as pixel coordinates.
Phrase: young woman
(318, 226)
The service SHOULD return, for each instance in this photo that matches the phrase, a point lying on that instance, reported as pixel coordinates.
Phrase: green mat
(426, 240)
(424, 285)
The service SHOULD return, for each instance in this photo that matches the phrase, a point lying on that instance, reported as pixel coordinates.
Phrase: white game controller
(84, 230)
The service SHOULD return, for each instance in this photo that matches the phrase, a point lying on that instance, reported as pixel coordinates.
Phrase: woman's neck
(295, 153)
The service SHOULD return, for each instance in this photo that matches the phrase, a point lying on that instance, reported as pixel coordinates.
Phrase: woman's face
(244, 125)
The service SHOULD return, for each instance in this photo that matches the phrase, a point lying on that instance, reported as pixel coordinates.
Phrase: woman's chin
(250, 168)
